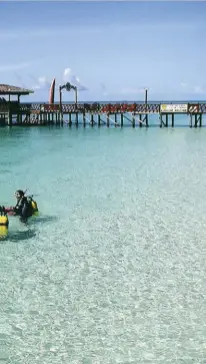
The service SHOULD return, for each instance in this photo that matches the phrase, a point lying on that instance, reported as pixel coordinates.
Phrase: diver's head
(19, 194)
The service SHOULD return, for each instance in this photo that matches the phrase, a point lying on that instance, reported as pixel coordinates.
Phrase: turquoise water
(113, 271)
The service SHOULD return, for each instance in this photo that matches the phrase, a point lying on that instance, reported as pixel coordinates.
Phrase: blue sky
(111, 50)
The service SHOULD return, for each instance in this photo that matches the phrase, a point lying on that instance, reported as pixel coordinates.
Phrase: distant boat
(51, 92)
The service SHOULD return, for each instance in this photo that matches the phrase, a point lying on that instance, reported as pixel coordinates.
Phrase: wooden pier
(15, 113)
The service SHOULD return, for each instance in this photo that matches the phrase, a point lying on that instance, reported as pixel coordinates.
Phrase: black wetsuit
(23, 209)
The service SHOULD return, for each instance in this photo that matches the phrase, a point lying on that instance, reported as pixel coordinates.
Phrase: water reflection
(44, 219)
(17, 236)
(21, 235)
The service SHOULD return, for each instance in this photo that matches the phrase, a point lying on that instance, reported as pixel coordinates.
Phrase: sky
(109, 50)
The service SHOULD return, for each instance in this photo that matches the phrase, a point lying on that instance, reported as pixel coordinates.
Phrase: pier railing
(150, 108)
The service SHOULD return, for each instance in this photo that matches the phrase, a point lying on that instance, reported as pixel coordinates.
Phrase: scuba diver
(25, 206)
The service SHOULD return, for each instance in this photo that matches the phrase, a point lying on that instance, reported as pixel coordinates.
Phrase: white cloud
(42, 84)
(104, 89)
(183, 84)
(29, 33)
(68, 76)
(132, 91)
(14, 67)
(197, 89)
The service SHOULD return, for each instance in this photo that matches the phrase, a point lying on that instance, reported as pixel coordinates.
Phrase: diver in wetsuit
(23, 207)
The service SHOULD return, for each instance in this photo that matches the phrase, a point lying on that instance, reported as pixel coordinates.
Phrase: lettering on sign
(178, 108)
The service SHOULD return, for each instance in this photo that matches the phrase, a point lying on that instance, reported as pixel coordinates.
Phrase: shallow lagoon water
(113, 269)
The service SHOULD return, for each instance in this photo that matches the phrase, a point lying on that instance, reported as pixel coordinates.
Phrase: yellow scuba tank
(3, 231)
(33, 205)
(35, 208)
(4, 222)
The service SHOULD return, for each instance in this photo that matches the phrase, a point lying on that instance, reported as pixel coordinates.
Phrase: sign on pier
(174, 108)
(194, 108)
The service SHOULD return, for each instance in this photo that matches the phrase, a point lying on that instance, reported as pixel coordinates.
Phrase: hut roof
(14, 90)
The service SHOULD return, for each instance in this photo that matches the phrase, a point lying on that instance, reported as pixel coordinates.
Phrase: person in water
(23, 207)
